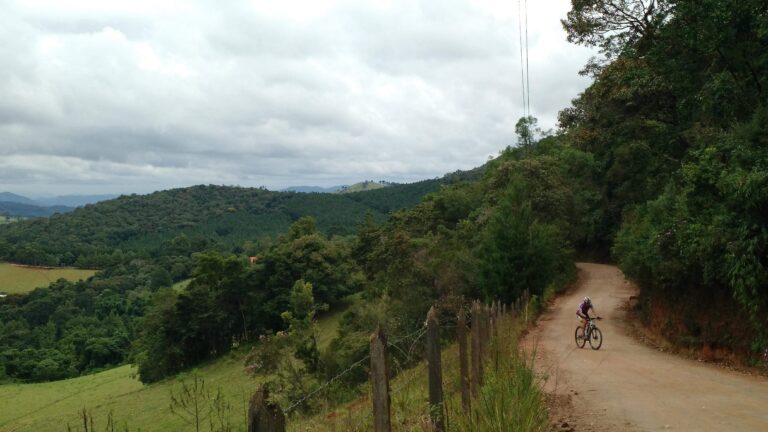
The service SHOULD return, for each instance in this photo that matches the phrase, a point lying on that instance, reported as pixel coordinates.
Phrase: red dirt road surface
(628, 386)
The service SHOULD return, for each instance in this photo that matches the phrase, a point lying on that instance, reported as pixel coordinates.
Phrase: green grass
(510, 395)
(510, 399)
(182, 285)
(18, 280)
(4, 219)
(51, 406)
(9, 219)
(362, 187)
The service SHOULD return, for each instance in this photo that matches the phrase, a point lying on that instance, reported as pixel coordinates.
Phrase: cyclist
(583, 312)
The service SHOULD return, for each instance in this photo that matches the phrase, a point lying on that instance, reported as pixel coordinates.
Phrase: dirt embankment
(628, 386)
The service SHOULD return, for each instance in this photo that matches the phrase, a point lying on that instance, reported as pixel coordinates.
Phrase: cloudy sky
(134, 96)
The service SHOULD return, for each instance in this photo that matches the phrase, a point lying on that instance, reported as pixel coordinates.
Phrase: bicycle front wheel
(579, 336)
(595, 338)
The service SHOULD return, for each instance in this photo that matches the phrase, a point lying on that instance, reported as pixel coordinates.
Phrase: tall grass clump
(509, 400)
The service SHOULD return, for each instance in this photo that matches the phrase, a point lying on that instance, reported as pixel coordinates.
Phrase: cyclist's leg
(581, 320)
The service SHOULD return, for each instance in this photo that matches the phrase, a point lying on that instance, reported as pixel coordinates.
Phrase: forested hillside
(97, 235)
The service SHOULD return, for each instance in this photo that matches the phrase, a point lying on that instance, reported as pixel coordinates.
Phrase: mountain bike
(594, 335)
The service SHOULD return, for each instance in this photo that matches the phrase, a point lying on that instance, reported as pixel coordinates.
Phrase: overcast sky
(136, 96)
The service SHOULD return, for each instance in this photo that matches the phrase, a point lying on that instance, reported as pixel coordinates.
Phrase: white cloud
(137, 96)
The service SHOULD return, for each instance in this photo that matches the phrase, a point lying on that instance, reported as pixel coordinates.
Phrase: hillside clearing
(15, 279)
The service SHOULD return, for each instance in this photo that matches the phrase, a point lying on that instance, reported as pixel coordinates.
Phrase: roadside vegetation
(676, 120)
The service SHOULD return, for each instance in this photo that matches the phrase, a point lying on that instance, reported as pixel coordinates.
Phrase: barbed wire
(419, 333)
(293, 405)
(301, 400)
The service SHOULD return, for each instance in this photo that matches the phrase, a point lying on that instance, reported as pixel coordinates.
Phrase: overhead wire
(527, 70)
(522, 63)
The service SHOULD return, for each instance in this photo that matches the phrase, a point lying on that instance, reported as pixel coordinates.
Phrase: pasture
(8, 219)
(21, 279)
(50, 407)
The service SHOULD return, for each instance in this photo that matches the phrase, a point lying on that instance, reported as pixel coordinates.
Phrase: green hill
(219, 214)
(363, 186)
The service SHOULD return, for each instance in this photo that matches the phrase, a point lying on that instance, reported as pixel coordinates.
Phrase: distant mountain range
(12, 204)
(16, 209)
(74, 200)
(357, 187)
(312, 189)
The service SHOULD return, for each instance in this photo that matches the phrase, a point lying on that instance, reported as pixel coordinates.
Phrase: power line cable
(522, 63)
(527, 70)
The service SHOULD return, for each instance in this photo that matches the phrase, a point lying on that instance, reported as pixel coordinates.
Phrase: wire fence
(298, 402)
(484, 321)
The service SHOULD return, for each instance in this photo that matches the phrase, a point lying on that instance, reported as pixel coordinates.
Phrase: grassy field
(52, 406)
(17, 279)
(9, 219)
(362, 187)
(181, 286)
(510, 395)
(49, 407)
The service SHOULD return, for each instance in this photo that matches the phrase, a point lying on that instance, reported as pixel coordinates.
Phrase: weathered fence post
(263, 415)
(527, 300)
(380, 382)
(461, 334)
(477, 358)
(434, 364)
(481, 340)
(494, 321)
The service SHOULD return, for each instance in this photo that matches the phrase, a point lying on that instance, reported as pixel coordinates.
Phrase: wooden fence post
(263, 415)
(461, 334)
(494, 321)
(477, 359)
(380, 382)
(527, 300)
(434, 364)
(486, 329)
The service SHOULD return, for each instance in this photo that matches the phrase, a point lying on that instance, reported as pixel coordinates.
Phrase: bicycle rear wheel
(579, 337)
(595, 338)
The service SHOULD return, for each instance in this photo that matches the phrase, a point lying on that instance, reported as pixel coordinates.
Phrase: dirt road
(629, 386)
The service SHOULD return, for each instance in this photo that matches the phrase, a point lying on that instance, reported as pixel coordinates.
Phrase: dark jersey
(584, 308)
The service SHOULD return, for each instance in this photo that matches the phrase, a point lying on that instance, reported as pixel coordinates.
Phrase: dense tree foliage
(677, 123)
(71, 328)
(229, 302)
(90, 236)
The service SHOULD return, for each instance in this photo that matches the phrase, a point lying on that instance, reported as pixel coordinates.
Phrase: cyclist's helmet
(587, 300)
